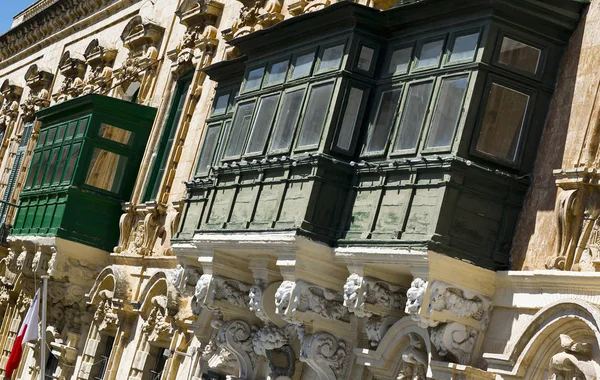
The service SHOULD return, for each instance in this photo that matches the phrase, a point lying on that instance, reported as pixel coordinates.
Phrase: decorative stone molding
(255, 301)
(367, 296)
(210, 289)
(200, 37)
(272, 340)
(158, 325)
(236, 336)
(106, 317)
(306, 6)
(575, 362)
(255, 15)
(300, 296)
(140, 227)
(377, 326)
(414, 360)
(460, 302)
(100, 58)
(185, 279)
(414, 300)
(39, 82)
(9, 104)
(72, 67)
(326, 355)
(454, 340)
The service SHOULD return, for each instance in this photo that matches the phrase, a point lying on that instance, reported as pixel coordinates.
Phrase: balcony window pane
(400, 61)
(72, 161)
(365, 58)
(115, 134)
(379, 133)
(50, 137)
(106, 170)
(519, 55)
(240, 129)
(33, 169)
(221, 148)
(302, 65)
(502, 125)
(208, 148)
(277, 72)
(286, 120)
(332, 56)
(430, 54)
(43, 164)
(464, 47)
(51, 166)
(71, 129)
(262, 124)
(81, 127)
(61, 132)
(42, 138)
(344, 140)
(447, 111)
(254, 79)
(413, 116)
(315, 115)
(220, 104)
(61, 164)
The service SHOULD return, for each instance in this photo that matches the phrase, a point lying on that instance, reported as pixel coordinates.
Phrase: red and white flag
(27, 333)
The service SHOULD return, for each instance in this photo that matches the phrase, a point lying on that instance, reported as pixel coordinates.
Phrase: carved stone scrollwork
(575, 362)
(255, 302)
(236, 336)
(306, 6)
(39, 97)
(300, 296)
(460, 302)
(140, 227)
(255, 15)
(271, 341)
(159, 324)
(11, 94)
(414, 300)
(414, 360)
(185, 279)
(105, 316)
(100, 58)
(326, 355)
(73, 70)
(216, 288)
(377, 326)
(454, 340)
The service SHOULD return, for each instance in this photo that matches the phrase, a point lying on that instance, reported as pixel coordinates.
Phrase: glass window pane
(503, 122)
(81, 127)
(50, 137)
(72, 161)
(32, 169)
(208, 148)
(254, 79)
(302, 65)
(240, 129)
(262, 124)
(277, 72)
(519, 55)
(115, 134)
(71, 129)
(50, 167)
(220, 104)
(61, 132)
(413, 116)
(332, 56)
(430, 54)
(447, 111)
(42, 168)
(315, 115)
(224, 135)
(379, 133)
(365, 58)
(106, 170)
(286, 120)
(344, 140)
(42, 138)
(61, 164)
(400, 61)
(464, 47)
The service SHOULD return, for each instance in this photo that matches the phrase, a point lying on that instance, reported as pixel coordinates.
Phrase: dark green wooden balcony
(84, 166)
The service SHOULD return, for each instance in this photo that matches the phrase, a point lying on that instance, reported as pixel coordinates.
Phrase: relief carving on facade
(200, 38)
(575, 362)
(326, 355)
(100, 58)
(211, 289)
(72, 67)
(414, 360)
(271, 341)
(9, 104)
(106, 317)
(236, 337)
(454, 341)
(38, 81)
(158, 326)
(300, 296)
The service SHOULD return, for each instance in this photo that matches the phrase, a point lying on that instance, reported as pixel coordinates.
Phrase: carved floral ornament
(100, 57)
(38, 81)
(72, 66)
(255, 15)
(10, 94)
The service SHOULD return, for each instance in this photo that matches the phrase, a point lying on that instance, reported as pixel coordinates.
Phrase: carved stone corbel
(326, 355)
(255, 15)
(100, 58)
(575, 362)
(39, 82)
(414, 360)
(214, 291)
(139, 228)
(72, 67)
(300, 296)
(159, 324)
(11, 95)
(236, 336)
(106, 317)
(299, 7)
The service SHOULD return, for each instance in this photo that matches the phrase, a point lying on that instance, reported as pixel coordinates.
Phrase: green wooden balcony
(83, 167)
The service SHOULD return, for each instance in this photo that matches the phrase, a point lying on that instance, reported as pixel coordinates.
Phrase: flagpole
(43, 336)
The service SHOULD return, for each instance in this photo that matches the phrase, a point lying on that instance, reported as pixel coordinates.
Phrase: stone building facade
(313, 189)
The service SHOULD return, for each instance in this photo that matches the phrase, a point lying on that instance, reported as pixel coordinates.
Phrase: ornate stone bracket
(300, 296)
(306, 6)
(211, 290)
(106, 316)
(73, 68)
(159, 324)
(575, 362)
(414, 360)
(39, 82)
(100, 58)
(236, 336)
(11, 95)
(326, 355)
(139, 228)
(273, 341)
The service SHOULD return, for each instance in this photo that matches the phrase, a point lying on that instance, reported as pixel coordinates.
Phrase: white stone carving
(236, 336)
(105, 316)
(414, 360)
(326, 355)
(377, 326)
(256, 301)
(158, 325)
(460, 302)
(455, 340)
(574, 362)
(270, 338)
(359, 291)
(302, 296)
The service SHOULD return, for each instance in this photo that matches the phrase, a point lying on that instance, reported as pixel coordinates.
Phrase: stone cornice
(35, 31)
